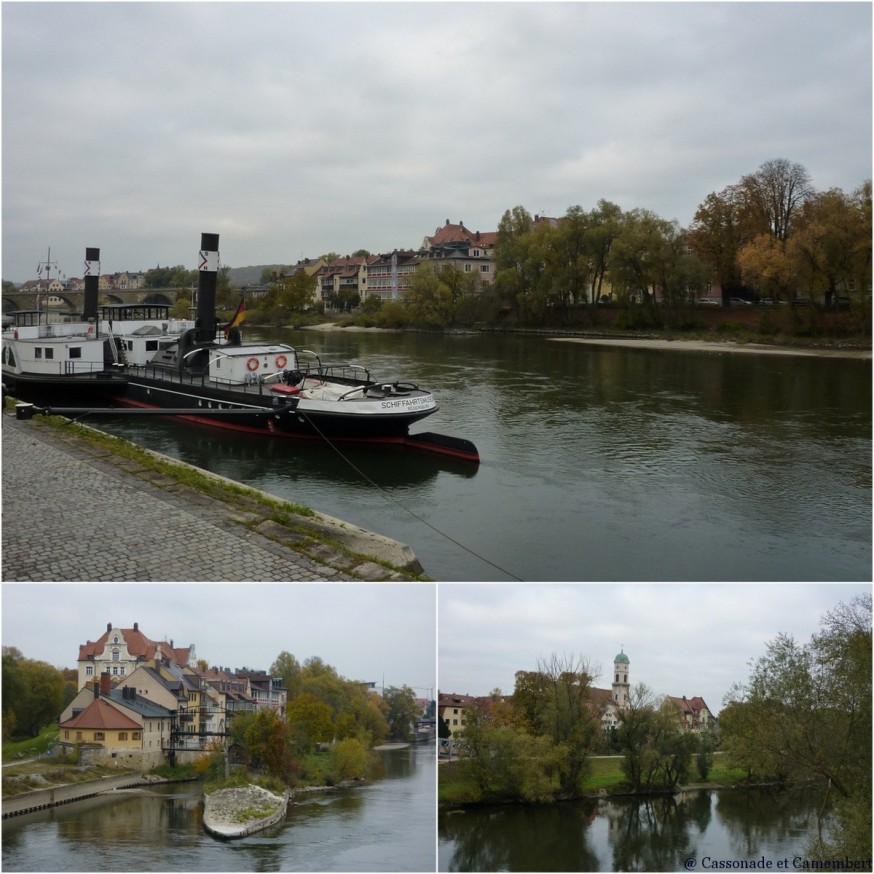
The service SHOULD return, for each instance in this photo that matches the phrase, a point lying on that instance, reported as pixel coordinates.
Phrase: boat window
(37, 351)
(75, 352)
(50, 353)
(151, 345)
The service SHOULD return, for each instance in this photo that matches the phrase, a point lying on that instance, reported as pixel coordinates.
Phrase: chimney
(105, 684)
(136, 626)
(92, 281)
(109, 626)
(208, 265)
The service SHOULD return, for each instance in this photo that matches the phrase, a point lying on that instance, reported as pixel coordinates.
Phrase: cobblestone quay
(74, 510)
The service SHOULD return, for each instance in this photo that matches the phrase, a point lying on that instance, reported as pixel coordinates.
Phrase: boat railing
(195, 379)
(342, 372)
(61, 329)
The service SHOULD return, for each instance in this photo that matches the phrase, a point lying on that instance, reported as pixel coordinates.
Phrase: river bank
(249, 533)
(827, 348)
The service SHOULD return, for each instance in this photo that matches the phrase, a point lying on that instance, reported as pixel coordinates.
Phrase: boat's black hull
(285, 418)
(89, 388)
(256, 413)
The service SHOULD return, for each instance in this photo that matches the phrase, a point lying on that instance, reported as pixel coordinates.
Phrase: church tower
(620, 680)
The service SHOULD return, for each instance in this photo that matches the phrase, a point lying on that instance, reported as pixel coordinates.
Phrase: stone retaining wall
(39, 799)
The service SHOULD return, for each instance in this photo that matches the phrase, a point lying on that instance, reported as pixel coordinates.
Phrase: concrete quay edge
(347, 552)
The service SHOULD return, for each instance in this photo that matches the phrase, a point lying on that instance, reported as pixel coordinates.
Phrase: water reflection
(657, 834)
(387, 824)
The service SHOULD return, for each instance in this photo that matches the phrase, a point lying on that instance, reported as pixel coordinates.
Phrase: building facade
(119, 651)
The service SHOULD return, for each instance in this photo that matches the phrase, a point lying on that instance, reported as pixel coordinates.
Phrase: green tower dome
(621, 658)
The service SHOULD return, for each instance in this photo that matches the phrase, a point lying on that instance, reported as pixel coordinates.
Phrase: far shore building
(117, 728)
(120, 651)
(608, 705)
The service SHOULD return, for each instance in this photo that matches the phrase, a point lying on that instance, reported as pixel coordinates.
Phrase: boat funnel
(92, 283)
(208, 265)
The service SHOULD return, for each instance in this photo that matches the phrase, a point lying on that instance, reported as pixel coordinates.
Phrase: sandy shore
(330, 326)
(675, 345)
(720, 347)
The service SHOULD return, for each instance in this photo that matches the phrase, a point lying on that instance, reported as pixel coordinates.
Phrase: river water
(387, 824)
(598, 463)
(691, 832)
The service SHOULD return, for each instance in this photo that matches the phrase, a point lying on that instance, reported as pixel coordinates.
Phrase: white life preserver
(252, 364)
(281, 361)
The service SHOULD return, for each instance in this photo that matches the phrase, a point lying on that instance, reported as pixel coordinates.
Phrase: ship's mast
(47, 264)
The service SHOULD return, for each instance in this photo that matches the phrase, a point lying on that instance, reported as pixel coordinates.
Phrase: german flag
(239, 316)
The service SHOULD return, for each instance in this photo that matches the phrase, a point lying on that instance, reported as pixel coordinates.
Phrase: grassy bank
(605, 776)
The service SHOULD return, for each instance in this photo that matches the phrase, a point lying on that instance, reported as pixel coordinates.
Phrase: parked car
(708, 302)
(767, 302)
(801, 302)
(738, 301)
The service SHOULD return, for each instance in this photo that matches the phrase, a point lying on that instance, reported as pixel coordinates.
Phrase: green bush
(731, 327)
(349, 760)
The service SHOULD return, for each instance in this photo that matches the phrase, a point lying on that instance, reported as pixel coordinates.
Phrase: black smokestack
(92, 283)
(208, 264)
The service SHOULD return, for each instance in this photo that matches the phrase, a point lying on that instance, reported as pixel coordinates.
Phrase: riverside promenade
(75, 510)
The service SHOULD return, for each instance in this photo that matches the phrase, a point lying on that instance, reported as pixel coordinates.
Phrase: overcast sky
(680, 639)
(296, 129)
(367, 632)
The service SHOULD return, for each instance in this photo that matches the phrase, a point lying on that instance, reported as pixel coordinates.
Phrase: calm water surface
(657, 835)
(597, 463)
(386, 825)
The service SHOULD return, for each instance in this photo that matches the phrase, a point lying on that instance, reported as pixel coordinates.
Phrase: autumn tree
(289, 668)
(33, 694)
(431, 297)
(310, 721)
(657, 752)
(806, 711)
(506, 762)
(715, 235)
(765, 265)
(349, 760)
(774, 195)
(297, 292)
(602, 230)
(554, 702)
(830, 236)
(401, 712)
(264, 736)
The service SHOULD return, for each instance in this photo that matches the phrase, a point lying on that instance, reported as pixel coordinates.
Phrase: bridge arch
(158, 298)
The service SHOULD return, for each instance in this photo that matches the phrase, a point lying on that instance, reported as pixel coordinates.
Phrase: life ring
(252, 364)
(90, 329)
(281, 361)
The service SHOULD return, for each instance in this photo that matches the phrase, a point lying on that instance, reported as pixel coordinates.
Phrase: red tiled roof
(100, 715)
(138, 645)
(459, 233)
(689, 705)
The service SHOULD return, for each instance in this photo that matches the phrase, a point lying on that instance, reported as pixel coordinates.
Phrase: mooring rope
(406, 509)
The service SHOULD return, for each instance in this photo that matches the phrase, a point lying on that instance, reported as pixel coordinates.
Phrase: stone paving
(75, 511)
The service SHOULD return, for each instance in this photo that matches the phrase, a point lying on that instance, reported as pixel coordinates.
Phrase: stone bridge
(74, 300)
